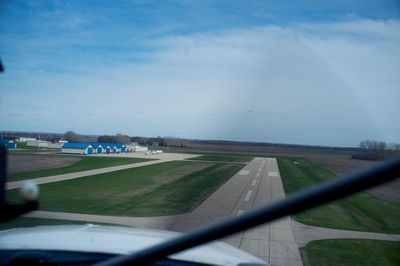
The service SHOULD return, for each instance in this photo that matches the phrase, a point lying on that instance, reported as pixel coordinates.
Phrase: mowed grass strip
(23, 148)
(360, 212)
(224, 158)
(84, 164)
(33, 221)
(160, 189)
(30, 222)
(351, 252)
(184, 194)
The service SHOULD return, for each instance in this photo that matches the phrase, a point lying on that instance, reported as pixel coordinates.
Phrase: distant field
(85, 163)
(160, 189)
(23, 148)
(351, 252)
(224, 158)
(362, 212)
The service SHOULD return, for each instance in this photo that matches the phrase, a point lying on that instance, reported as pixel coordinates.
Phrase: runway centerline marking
(248, 195)
(273, 174)
(254, 182)
(244, 172)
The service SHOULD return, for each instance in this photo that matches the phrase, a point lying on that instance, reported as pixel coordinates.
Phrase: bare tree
(124, 139)
(72, 136)
(119, 138)
(105, 138)
(376, 150)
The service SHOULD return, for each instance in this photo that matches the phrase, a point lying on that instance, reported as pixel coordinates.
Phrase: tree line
(118, 138)
(376, 150)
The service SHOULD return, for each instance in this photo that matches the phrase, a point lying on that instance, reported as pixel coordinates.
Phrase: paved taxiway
(256, 184)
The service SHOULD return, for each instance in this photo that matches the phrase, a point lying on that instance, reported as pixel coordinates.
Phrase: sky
(299, 72)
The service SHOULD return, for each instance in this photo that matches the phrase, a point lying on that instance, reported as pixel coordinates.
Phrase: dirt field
(338, 161)
(18, 163)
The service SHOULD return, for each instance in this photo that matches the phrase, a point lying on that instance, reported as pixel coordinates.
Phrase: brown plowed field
(18, 163)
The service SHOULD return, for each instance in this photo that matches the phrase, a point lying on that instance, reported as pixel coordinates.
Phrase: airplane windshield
(132, 122)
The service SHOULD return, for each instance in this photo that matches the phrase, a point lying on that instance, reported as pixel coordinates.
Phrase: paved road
(143, 154)
(163, 157)
(256, 184)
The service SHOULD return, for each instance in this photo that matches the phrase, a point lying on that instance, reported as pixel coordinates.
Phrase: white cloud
(331, 84)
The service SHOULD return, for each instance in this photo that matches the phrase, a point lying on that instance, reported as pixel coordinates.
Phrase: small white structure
(77, 148)
(37, 143)
(141, 148)
(24, 139)
(54, 145)
(132, 148)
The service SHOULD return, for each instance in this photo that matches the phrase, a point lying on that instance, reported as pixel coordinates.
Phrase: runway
(256, 184)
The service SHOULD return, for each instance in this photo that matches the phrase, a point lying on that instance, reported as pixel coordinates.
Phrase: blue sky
(306, 72)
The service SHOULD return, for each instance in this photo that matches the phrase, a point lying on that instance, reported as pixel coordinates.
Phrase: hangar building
(8, 144)
(98, 147)
(93, 148)
(77, 148)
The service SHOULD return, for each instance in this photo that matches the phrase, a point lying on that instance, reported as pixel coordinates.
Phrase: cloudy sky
(314, 72)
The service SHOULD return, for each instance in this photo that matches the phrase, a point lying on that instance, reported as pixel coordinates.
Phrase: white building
(132, 148)
(54, 145)
(24, 139)
(37, 143)
(77, 148)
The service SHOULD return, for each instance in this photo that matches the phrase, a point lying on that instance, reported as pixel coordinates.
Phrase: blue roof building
(98, 147)
(9, 144)
(77, 148)
(113, 147)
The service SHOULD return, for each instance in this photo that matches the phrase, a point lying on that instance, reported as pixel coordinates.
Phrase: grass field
(224, 158)
(86, 163)
(362, 212)
(23, 148)
(160, 189)
(351, 252)
(29, 222)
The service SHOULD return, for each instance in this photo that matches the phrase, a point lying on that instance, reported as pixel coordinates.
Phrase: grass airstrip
(84, 164)
(160, 189)
(360, 212)
(349, 252)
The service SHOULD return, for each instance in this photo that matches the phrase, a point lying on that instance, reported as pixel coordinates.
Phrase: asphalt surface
(258, 183)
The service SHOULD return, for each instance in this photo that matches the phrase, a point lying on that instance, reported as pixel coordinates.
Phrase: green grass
(23, 148)
(30, 222)
(160, 189)
(361, 212)
(86, 163)
(351, 252)
(224, 158)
